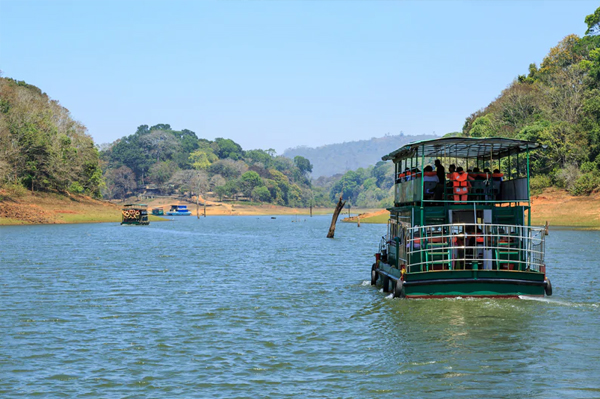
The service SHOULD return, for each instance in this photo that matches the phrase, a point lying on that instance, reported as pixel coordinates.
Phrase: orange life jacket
(461, 185)
(430, 173)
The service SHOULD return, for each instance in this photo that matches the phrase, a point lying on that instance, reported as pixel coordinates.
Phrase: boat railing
(472, 246)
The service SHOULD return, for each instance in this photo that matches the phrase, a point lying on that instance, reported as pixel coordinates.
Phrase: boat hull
(179, 213)
(468, 283)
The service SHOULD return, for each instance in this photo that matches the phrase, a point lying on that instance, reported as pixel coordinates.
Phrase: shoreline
(560, 209)
(51, 208)
(557, 207)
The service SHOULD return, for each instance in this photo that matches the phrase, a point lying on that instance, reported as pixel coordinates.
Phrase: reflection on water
(260, 307)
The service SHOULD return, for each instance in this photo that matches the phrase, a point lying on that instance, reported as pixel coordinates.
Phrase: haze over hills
(332, 159)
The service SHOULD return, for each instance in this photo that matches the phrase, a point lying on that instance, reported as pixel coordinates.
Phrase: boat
(469, 235)
(158, 211)
(179, 210)
(135, 214)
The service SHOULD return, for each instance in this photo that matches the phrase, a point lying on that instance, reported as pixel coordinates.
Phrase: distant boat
(136, 214)
(158, 211)
(179, 210)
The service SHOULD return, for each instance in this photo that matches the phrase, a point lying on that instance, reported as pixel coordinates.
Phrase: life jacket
(458, 241)
(437, 240)
(430, 173)
(473, 176)
(484, 176)
(497, 176)
(451, 176)
(401, 176)
(461, 185)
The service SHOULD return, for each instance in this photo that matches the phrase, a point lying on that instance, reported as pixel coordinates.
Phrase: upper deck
(495, 171)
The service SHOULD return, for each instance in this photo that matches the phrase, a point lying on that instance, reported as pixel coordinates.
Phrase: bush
(587, 167)
(586, 183)
(15, 190)
(76, 188)
(566, 178)
(261, 194)
(537, 184)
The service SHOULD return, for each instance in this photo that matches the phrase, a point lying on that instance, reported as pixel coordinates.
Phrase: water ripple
(229, 307)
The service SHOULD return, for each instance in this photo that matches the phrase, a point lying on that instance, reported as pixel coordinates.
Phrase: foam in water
(558, 302)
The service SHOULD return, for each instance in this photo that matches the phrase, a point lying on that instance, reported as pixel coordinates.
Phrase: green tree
(303, 164)
(593, 23)
(249, 181)
(261, 194)
(227, 148)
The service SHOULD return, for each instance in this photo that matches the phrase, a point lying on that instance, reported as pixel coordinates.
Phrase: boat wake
(561, 302)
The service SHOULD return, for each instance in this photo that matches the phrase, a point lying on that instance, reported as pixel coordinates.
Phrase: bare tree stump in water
(336, 214)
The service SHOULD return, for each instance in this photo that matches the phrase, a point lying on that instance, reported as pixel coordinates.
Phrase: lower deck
(460, 250)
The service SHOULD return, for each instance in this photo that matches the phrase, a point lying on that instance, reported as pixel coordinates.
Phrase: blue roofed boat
(179, 210)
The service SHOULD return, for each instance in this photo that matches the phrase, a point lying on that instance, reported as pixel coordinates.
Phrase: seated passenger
(430, 182)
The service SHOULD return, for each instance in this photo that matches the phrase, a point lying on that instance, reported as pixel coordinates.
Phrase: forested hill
(332, 159)
(41, 146)
(558, 105)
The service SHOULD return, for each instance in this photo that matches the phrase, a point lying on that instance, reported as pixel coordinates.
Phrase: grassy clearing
(381, 219)
(12, 222)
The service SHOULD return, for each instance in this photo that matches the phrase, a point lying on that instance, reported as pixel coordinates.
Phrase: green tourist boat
(469, 233)
(135, 214)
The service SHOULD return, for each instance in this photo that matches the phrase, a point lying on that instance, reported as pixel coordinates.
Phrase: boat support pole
(528, 193)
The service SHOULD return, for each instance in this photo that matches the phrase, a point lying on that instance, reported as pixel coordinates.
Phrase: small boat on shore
(158, 211)
(135, 214)
(179, 210)
(462, 234)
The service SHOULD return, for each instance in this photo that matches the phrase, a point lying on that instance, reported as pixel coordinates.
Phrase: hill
(332, 159)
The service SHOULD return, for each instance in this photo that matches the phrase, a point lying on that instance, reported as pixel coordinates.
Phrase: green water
(254, 307)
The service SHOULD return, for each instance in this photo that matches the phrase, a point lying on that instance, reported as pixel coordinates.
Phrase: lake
(254, 307)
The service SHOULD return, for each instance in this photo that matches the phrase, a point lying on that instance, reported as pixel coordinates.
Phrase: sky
(278, 74)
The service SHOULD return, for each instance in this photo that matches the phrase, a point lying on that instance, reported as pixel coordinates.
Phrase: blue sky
(278, 74)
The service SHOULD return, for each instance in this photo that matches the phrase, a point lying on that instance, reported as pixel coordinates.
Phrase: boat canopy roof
(135, 205)
(463, 147)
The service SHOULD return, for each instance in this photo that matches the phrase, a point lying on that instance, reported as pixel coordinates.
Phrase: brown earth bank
(557, 207)
(51, 208)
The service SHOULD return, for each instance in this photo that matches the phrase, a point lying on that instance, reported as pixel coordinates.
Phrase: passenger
(497, 176)
(497, 179)
(440, 171)
(450, 183)
(486, 174)
(477, 184)
(461, 186)
(407, 175)
(430, 182)
(430, 175)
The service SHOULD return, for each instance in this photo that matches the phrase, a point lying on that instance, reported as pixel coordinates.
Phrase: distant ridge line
(332, 159)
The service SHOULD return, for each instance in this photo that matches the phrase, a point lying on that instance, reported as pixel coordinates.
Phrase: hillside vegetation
(41, 146)
(166, 160)
(558, 105)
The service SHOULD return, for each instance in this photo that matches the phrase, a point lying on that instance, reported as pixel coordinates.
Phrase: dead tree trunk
(336, 214)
